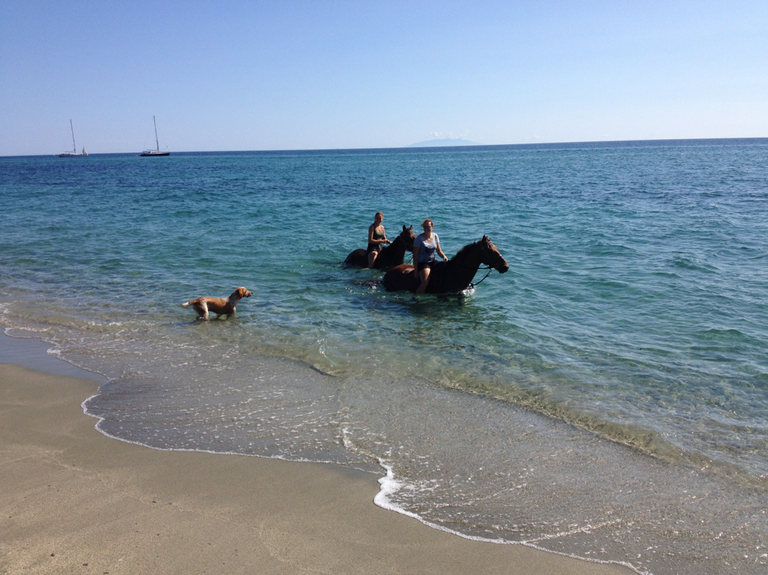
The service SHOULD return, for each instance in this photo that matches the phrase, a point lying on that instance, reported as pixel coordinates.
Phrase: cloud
(447, 136)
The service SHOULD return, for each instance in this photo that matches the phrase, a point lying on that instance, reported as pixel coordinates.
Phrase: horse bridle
(489, 268)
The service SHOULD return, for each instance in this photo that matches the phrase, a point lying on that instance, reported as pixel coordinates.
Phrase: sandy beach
(76, 501)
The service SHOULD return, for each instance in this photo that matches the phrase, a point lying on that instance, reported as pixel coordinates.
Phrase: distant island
(443, 143)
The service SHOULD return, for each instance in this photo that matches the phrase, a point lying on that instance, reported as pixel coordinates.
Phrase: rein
(490, 269)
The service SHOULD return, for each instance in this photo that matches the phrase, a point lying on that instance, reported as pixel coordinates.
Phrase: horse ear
(404, 228)
(486, 238)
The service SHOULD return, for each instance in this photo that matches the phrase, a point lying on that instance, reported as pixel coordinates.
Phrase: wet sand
(75, 501)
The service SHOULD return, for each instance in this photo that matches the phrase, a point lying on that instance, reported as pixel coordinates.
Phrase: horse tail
(393, 279)
(357, 258)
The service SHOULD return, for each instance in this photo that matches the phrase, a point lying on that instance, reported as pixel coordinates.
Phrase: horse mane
(466, 248)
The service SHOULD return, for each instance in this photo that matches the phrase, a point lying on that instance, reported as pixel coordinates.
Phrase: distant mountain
(444, 143)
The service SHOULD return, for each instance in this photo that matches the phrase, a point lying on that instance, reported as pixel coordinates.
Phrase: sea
(606, 398)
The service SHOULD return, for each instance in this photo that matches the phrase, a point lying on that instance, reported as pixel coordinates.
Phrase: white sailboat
(74, 147)
(155, 152)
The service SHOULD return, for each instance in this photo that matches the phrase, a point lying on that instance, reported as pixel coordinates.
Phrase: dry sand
(75, 501)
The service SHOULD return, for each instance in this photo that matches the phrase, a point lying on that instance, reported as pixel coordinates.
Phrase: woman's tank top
(426, 248)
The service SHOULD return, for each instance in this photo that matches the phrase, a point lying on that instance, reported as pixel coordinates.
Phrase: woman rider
(424, 249)
(377, 237)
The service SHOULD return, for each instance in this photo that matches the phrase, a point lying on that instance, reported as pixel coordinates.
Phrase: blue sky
(354, 74)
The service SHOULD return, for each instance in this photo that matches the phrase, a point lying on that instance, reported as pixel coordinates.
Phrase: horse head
(408, 236)
(491, 256)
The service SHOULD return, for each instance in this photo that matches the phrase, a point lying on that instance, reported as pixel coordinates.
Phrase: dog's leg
(234, 299)
(202, 310)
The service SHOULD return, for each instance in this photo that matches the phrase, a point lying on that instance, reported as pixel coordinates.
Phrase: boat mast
(157, 142)
(74, 147)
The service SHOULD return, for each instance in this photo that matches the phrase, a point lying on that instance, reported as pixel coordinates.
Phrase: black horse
(390, 256)
(453, 276)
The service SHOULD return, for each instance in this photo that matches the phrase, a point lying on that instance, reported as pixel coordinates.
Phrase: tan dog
(218, 305)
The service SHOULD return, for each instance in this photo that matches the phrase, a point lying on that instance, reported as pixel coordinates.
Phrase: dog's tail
(186, 304)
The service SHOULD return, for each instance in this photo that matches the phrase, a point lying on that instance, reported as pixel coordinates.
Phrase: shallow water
(605, 398)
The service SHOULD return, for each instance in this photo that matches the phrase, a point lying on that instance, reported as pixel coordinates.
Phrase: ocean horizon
(606, 398)
(422, 146)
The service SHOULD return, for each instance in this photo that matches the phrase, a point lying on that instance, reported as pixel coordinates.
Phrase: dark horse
(453, 276)
(390, 256)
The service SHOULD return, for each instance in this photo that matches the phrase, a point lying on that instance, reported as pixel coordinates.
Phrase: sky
(327, 74)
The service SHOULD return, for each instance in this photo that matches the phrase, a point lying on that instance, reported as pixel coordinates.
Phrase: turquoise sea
(606, 398)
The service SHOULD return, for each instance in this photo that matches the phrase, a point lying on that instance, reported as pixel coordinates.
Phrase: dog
(218, 305)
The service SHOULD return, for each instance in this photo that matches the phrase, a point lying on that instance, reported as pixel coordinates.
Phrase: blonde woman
(377, 239)
(424, 249)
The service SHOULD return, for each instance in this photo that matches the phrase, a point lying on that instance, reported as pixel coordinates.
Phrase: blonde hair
(378, 214)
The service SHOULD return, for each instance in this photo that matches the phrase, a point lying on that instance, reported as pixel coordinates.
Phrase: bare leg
(372, 258)
(424, 274)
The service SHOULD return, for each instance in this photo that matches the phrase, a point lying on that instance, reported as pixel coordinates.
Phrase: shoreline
(76, 500)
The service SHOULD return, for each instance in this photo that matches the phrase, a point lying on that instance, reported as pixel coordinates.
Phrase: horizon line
(414, 147)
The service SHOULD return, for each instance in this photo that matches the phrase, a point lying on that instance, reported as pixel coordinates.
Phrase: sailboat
(155, 152)
(74, 147)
